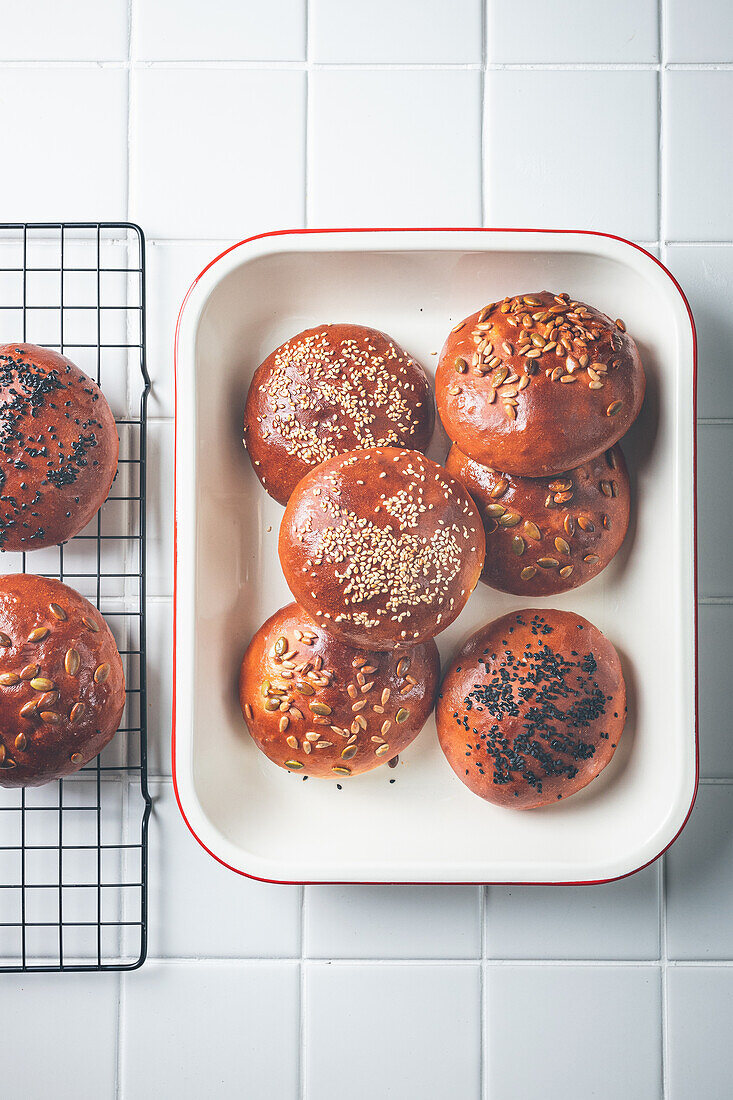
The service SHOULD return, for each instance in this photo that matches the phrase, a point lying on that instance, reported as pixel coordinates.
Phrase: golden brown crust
(328, 390)
(58, 448)
(382, 547)
(320, 707)
(62, 687)
(538, 384)
(548, 535)
(532, 708)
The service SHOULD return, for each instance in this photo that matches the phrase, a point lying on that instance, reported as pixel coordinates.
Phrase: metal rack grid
(73, 853)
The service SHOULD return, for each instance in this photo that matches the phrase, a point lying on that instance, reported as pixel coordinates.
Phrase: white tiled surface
(208, 122)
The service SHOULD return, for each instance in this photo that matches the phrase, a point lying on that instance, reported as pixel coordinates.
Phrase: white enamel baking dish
(418, 823)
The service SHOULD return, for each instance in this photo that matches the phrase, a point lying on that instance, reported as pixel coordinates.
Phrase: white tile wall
(207, 122)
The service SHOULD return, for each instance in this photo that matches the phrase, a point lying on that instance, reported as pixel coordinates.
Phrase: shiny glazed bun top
(537, 384)
(58, 448)
(62, 686)
(328, 390)
(382, 547)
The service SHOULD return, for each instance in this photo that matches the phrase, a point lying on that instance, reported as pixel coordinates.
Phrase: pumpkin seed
(29, 672)
(569, 525)
(5, 639)
(47, 700)
(321, 709)
(586, 524)
(560, 485)
(77, 712)
(38, 634)
(510, 519)
(498, 376)
(532, 530)
(613, 408)
(461, 365)
(9, 679)
(20, 742)
(305, 688)
(402, 715)
(547, 563)
(561, 545)
(76, 758)
(72, 662)
(294, 764)
(518, 545)
(605, 488)
(272, 704)
(349, 752)
(566, 571)
(500, 488)
(341, 771)
(611, 459)
(50, 717)
(42, 683)
(57, 612)
(403, 667)
(28, 710)
(528, 572)
(607, 523)
(495, 510)
(381, 750)
(90, 625)
(563, 498)
(592, 559)
(101, 673)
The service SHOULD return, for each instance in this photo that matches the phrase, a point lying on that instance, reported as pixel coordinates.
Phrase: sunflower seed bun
(550, 534)
(316, 705)
(532, 708)
(382, 547)
(328, 390)
(59, 448)
(538, 384)
(62, 687)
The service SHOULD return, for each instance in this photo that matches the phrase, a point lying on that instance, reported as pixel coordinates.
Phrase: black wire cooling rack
(73, 854)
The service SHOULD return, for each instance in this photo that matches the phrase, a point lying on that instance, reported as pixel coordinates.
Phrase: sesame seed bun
(532, 708)
(382, 547)
(538, 384)
(58, 448)
(62, 686)
(550, 534)
(318, 706)
(328, 390)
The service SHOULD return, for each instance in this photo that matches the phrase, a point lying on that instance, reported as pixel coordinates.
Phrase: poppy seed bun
(328, 390)
(62, 687)
(538, 384)
(550, 534)
(382, 547)
(316, 705)
(532, 708)
(58, 448)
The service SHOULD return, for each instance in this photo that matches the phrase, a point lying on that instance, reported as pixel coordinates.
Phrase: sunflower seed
(356, 707)
(595, 385)
(352, 692)
(620, 324)
(613, 408)
(324, 744)
(284, 723)
(386, 726)
(386, 694)
(247, 712)
(101, 673)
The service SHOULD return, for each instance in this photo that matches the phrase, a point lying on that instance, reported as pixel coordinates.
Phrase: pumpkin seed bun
(58, 448)
(331, 389)
(532, 708)
(382, 547)
(550, 534)
(538, 384)
(318, 706)
(62, 686)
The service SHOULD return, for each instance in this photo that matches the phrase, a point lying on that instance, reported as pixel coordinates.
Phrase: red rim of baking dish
(418, 229)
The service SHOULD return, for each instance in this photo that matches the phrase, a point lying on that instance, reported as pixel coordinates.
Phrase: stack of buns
(381, 547)
(62, 689)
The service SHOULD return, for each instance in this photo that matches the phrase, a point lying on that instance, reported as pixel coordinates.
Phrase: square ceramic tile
(699, 1021)
(536, 183)
(567, 922)
(160, 684)
(199, 909)
(171, 268)
(203, 1029)
(698, 172)
(715, 509)
(424, 32)
(401, 1030)
(75, 120)
(698, 32)
(572, 31)
(217, 152)
(699, 879)
(186, 30)
(411, 144)
(76, 1016)
(392, 922)
(44, 30)
(706, 276)
(715, 630)
(592, 1029)
(159, 512)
